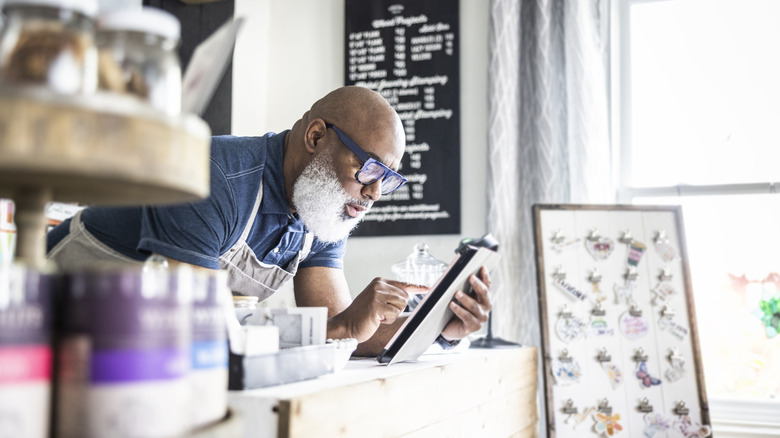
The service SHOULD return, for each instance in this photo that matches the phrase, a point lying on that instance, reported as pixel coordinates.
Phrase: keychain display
(593, 332)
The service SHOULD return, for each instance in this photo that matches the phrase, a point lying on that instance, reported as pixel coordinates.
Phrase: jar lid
(86, 7)
(245, 300)
(146, 19)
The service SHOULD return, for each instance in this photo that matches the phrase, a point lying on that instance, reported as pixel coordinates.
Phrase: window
(697, 123)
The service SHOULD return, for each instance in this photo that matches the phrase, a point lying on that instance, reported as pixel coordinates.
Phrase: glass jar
(420, 267)
(245, 306)
(49, 43)
(137, 56)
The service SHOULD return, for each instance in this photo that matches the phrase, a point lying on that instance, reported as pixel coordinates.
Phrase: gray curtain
(548, 136)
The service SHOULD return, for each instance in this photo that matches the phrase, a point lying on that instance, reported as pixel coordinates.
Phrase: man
(281, 206)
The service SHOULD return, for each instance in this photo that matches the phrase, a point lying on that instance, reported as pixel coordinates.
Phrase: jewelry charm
(607, 425)
(691, 429)
(599, 247)
(560, 244)
(569, 327)
(664, 247)
(625, 292)
(666, 323)
(595, 279)
(574, 419)
(655, 424)
(566, 370)
(636, 250)
(677, 370)
(569, 288)
(663, 292)
(633, 325)
(644, 377)
(613, 371)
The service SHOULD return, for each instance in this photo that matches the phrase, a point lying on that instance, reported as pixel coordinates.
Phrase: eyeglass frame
(366, 159)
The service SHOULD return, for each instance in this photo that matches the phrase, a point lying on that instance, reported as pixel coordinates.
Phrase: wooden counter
(474, 393)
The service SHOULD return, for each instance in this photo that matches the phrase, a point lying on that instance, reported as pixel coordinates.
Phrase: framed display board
(620, 346)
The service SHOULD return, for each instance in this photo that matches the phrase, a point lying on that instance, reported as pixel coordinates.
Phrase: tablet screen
(433, 313)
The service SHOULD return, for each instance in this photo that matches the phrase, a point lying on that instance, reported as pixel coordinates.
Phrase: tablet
(429, 318)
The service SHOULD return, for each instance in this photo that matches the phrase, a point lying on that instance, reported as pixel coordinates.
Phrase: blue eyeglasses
(372, 170)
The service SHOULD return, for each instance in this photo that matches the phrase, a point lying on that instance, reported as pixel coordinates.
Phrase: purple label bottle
(209, 374)
(125, 354)
(25, 351)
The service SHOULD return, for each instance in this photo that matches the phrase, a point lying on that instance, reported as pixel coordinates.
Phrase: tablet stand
(490, 341)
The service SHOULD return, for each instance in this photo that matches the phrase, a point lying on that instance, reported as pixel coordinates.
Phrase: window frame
(730, 416)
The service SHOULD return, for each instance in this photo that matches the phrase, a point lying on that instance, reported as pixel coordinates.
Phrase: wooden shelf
(95, 149)
(100, 149)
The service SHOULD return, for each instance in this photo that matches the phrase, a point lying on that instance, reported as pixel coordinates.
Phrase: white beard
(320, 201)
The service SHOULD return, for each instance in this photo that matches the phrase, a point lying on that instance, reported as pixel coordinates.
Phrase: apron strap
(252, 217)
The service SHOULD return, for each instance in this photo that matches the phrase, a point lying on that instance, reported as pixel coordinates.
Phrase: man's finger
(409, 287)
(470, 321)
(472, 306)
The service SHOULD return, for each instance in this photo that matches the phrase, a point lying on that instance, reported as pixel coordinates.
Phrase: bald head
(356, 109)
(364, 115)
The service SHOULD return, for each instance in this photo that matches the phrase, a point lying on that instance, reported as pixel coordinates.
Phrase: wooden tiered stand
(96, 149)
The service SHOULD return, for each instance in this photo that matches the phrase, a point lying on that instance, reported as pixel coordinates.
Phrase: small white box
(299, 326)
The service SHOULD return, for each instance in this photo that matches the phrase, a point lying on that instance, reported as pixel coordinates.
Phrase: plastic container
(124, 354)
(25, 351)
(49, 43)
(290, 364)
(137, 56)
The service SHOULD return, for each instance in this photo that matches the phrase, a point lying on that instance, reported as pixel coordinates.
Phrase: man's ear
(314, 133)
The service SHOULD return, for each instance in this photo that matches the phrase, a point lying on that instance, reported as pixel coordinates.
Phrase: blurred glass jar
(419, 267)
(49, 43)
(245, 306)
(137, 56)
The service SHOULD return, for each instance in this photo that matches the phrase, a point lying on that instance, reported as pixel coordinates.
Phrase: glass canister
(49, 43)
(137, 56)
(420, 267)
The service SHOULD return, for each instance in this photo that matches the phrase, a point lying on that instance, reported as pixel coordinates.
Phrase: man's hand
(470, 312)
(379, 303)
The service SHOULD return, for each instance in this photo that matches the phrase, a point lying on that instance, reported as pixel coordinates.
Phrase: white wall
(290, 53)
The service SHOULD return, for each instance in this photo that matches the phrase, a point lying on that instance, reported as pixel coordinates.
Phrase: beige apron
(80, 249)
(249, 276)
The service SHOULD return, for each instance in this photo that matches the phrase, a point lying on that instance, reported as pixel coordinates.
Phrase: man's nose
(373, 191)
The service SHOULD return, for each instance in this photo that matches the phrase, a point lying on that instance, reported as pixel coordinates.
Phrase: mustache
(365, 203)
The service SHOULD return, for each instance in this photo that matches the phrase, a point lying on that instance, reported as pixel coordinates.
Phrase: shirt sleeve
(194, 232)
(329, 255)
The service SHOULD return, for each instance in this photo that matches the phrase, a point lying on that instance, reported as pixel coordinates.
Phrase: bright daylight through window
(700, 117)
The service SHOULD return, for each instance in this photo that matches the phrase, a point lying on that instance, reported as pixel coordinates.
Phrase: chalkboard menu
(407, 50)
